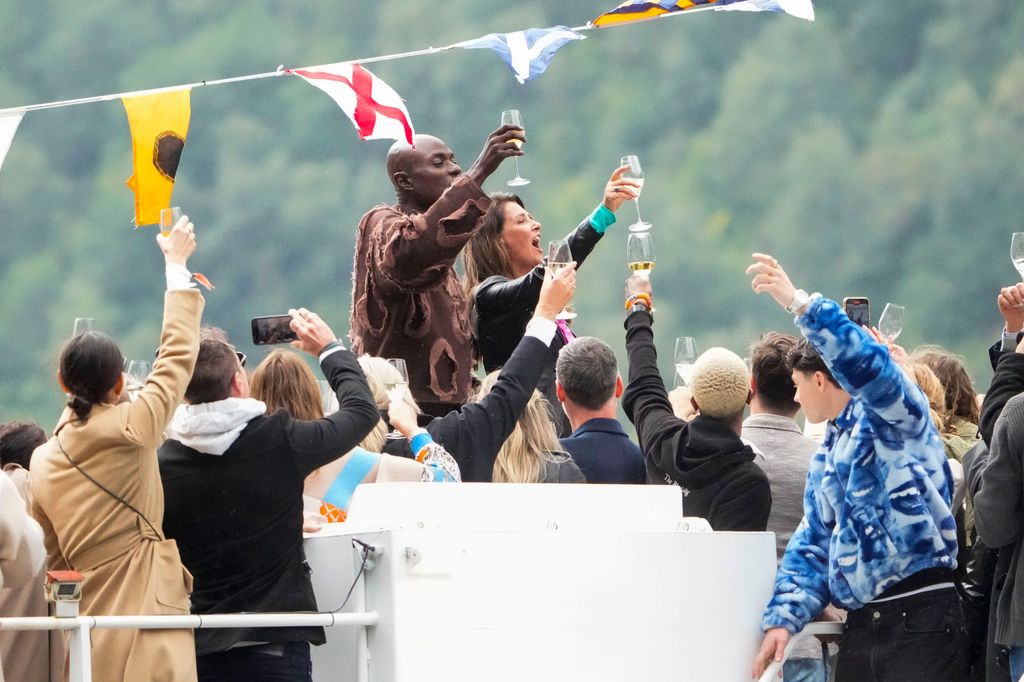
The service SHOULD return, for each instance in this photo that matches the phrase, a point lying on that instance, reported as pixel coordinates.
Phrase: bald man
(406, 298)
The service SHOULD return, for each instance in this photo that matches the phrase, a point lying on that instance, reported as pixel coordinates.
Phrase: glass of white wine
(890, 324)
(636, 174)
(169, 217)
(1017, 252)
(395, 386)
(512, 117)
(686, 355)
(560, 256)
(640, 253)
(135, 377)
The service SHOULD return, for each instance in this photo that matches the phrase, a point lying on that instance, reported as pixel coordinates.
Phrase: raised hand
(619, 189)
(1011, 307)
(770, 278)
(496, 149)
(180, 242)
(556, 292)
(312, 331)
(636, 284)
(402, 417)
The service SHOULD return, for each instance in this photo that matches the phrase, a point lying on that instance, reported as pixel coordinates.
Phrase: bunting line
(281, 71)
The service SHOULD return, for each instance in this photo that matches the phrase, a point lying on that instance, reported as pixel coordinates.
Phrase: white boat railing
(80, 661)
(812, 629)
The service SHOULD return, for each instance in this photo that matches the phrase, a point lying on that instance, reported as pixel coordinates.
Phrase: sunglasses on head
(241, 358)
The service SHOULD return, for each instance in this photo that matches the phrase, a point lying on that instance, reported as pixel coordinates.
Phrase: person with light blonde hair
(532, 454)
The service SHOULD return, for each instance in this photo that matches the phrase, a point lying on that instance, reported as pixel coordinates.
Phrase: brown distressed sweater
(406, 299)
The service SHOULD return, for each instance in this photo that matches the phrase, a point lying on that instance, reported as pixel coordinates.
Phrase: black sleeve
(743, 507)
(1007, 382)
(315, 443)
(475, 432)
(645, 400)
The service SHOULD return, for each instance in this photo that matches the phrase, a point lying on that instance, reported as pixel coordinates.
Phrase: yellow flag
(159, 125)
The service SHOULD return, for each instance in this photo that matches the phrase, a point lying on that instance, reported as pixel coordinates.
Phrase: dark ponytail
(90, 365)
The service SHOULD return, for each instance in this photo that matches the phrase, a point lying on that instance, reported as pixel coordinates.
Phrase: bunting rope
(281, 71)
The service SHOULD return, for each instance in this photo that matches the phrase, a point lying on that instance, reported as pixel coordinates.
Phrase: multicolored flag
(159, 126)
(526, 53)
(375, 108)
(639, 10)
(8, 126)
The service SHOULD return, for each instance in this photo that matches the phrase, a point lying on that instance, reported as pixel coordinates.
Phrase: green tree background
(876, 152)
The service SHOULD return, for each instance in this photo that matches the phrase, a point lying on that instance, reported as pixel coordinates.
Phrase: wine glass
(169, 217)
(560, 256)
(512, 117)
(1017, 252)
(138, 371)
(890, 324)
(635, 173)
(686, 355)
(395, 386)
(640, 253)
(83, 325)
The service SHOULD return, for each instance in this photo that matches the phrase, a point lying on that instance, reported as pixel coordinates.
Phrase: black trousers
(286, 662)
(920, 637)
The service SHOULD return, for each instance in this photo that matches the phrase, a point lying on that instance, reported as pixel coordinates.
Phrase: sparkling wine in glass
(635, 173)
(1017, 252)
(640, 253)
(395, 386)
(890, 324)
(512, 117)
(135, 377)
(169, 217)
(686, 355)
(560, 256)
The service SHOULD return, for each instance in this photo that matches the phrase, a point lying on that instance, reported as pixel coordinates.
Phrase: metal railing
(812, 629)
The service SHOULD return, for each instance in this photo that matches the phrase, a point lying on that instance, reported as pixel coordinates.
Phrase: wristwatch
(800, 299)
(639, 305)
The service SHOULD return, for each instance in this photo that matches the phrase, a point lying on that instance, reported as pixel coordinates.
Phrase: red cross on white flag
(375, 108)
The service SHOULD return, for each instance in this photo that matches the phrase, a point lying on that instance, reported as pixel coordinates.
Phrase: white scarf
(211, 428)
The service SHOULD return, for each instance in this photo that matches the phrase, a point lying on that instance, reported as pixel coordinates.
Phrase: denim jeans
(286, 662)
(920, 637)
(1016, 662)
(804, 670)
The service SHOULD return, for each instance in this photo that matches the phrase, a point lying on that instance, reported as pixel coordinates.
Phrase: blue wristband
(420, 441)
(351, 475)
(601, 219)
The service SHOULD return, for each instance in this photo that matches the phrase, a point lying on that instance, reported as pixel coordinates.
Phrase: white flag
(8, 126)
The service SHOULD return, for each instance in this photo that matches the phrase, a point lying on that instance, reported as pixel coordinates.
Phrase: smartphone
(858, 309)
(271, 329)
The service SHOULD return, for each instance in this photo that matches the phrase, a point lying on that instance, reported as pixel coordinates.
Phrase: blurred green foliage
(875, 152)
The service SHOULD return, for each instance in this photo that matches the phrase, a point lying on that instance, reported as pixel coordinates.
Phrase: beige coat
(129, 567)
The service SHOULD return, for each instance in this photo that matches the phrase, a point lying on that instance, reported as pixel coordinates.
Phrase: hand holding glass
(635, 173)
(512, 117)
(890, 324)
(560, 256)
(395, 386)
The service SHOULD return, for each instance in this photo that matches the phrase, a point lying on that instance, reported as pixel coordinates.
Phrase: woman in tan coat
(96, 486)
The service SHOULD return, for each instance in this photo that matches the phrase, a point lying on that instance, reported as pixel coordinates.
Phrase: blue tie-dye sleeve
(801, 584)
(864, 368)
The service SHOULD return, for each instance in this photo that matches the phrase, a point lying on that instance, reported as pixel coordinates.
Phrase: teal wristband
(420, 441)
(601, 219)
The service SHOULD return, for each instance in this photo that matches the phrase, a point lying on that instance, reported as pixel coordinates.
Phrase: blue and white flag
(802, 9)
(527, 53)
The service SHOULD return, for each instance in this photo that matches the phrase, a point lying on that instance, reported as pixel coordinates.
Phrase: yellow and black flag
(159, 125)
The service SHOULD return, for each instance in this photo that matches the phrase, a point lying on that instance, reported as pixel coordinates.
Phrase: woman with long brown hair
(505, 268)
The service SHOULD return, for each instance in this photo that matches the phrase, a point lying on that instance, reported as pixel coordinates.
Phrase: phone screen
(859, 311)
(271, 329)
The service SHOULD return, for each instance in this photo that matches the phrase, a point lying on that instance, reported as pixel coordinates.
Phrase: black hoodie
(705, 457)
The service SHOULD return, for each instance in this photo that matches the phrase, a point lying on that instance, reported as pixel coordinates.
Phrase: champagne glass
(560, 256)
(395, 386)
(686, 355)
(890, 324)
(83, 325)
(169, 217)
(512, 117)
(635, 173)
(138, 371)
(1017, 252)
(640, 253)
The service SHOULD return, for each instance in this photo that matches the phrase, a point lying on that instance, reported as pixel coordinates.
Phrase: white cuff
(541, 328)
(334, 348)
(178, 277)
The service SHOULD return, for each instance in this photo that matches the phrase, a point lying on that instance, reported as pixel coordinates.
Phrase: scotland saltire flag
(638, 10)
(527, 53)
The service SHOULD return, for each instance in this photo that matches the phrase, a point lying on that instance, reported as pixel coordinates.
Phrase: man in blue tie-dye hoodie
(877, 537)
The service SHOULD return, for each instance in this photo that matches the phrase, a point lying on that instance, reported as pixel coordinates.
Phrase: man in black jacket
(705, 457)
(232, 478)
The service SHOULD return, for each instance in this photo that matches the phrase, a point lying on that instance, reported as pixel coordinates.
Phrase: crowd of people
(905, 519)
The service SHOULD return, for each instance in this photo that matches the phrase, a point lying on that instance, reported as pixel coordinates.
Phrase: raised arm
(148, 416)
(861, 365)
